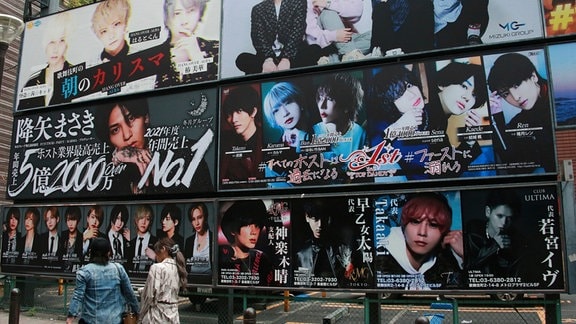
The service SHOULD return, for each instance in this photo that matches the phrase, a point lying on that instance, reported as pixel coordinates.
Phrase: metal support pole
(3, 49)
(14, 315)
(455, 311)
(373, 308)
(552, 308)
(286, 301)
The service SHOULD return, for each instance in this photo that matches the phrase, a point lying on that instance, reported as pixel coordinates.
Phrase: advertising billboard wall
(115, 48)
(116, 149)
(497, 239)
(432, 120)
(55, 240)
(318, 33)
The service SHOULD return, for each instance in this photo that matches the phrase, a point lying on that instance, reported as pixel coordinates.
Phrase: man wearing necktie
(143, 255)
(51, 240)
(118, 233)
(10, 236)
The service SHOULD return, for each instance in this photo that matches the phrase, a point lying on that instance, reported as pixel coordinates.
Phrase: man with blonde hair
(143, 255)
(109, 23)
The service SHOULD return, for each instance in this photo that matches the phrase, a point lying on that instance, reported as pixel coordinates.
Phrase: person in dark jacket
(493, 245)
(525, 142)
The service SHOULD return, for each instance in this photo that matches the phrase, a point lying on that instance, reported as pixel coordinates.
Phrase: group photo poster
(564, 83)
(117, 149)
(259, 38)
(464, 117)
(559, 17)
(117, 47)
(56, 239)
(499, 238)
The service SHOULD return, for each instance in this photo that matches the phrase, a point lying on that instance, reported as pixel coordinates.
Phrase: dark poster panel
(116, 48)
(254, 243)
(332, 242)
(156, 146)
(330, 32)
(559, 17)
(562, 63)
(520, 112)
(32, 240)
(132, 230)
(418, 241)
(513, 238)
(199, 223)
(430, 120)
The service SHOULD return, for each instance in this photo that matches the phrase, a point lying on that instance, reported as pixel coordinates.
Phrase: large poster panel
(512, 238)
(332, 242)
(330, 32)
(253, 243)
(56, 239)
(562, 61)
(499, 238)
(117, 47)
(521, 112)
(116, 149)
(464, 117)
(559, 17)
(418, 241)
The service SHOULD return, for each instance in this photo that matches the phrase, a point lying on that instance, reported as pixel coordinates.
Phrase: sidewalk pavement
(26, 318)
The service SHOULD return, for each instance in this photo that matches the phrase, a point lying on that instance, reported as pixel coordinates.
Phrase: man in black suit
(118, 234)
(142, 245)
(50, 249)
(71, 243)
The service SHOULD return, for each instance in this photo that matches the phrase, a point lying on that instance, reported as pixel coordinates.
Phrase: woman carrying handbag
(102, 289)
(165, 279)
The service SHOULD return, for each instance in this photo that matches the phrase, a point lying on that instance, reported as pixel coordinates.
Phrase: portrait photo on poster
(120, 148)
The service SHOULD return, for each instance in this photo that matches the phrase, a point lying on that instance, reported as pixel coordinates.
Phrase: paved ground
(37, 319)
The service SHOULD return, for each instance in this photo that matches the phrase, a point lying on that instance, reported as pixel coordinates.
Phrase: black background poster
(332, 242)
(513, 238)
(132, 229)
(254, 243)
(155, 146)
(453, 240)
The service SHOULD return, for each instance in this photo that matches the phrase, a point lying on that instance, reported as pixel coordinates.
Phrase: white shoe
(323, 60)
(394, 51)
(353, 55)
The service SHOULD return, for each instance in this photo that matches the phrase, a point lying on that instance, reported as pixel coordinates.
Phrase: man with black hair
(524, 143)
(241, 261)
(323, 259)
(170, 218)
(493, 245)
(241, 146)
(118, 234)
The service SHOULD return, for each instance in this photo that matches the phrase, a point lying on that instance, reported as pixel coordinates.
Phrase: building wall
(566, 146)
(14, 8)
